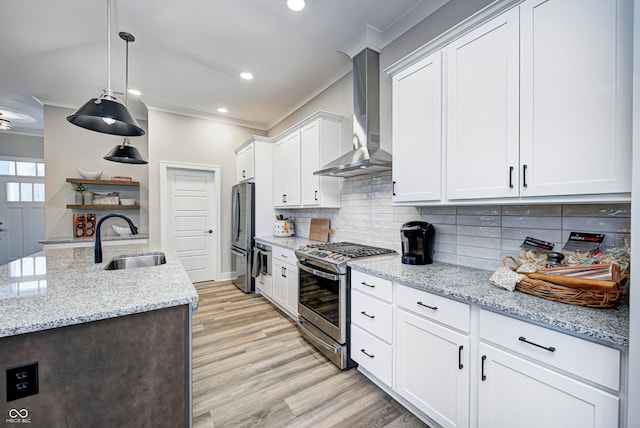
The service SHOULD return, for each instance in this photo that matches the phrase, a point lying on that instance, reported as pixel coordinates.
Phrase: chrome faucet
(97, 251)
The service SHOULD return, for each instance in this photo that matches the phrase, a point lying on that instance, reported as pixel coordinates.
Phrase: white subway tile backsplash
(532, 222)
(476, 236)
(607, 210)
(493, 232)
(479, 220)
(532, 210)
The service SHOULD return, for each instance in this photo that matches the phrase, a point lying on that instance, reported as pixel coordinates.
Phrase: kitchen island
(113, 346)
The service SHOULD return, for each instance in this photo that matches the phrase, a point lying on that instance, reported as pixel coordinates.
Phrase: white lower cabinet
(531, 376)
(264, 285)
(515, 392)
(285, 281)
(432, 369)
(457, 365)
(372, 325)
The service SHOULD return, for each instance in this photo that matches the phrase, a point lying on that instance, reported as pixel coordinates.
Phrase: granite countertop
(103, 238)
(62, 286)
(472, 286)
(291, 242)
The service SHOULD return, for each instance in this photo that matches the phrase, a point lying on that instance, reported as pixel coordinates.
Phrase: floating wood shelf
(103, 182)
(103, 207)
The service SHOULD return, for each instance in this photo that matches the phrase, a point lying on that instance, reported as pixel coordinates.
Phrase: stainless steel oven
(322, 308)
(323, 296)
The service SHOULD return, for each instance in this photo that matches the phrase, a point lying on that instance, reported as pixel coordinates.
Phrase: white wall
(188, 140)
(67, 147)
(22, 146)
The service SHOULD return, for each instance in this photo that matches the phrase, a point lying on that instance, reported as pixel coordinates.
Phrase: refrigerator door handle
(236, 215)
(238, 253)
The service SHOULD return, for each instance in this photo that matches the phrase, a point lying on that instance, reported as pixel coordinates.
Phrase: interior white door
(21, 218)
(190, 220)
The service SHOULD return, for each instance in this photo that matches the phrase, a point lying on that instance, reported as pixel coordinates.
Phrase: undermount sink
(137, 261)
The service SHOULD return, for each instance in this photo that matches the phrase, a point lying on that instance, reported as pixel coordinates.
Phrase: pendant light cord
(109, 47)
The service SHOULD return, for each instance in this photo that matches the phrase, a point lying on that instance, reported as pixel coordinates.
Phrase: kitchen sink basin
(137, 261)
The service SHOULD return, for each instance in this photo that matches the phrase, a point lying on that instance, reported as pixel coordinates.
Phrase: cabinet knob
(208, 231)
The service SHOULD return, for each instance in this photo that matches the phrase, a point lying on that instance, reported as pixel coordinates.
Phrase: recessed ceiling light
(295, 5)
(134, 92)
(246, 76)
(222, 110)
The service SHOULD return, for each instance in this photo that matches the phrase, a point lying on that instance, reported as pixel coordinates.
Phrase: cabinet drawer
(372, 315)
(372, 285)
(372, 354)
(285, 255)
(437, 308)
(580, 357)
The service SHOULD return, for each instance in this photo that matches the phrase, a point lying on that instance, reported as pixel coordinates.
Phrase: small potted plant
(78, 188)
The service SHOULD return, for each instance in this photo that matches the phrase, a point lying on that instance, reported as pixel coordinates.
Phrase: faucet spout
(97, 251)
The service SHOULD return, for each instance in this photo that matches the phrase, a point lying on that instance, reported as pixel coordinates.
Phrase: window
(27, 169)
(23, 190)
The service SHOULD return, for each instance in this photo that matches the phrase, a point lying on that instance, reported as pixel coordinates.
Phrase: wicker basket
(570, 295)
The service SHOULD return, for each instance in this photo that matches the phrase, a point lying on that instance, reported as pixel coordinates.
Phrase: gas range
(337, 254)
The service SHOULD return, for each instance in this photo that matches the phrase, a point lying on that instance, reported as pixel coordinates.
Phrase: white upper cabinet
(575, 82)
(535, 106)
(245, 163)
(320, 144)
(286, 171)
(482, 111)
(302, 150)
(417, 131)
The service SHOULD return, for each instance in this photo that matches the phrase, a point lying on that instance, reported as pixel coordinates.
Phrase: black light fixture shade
(106, 116)
(125, 153)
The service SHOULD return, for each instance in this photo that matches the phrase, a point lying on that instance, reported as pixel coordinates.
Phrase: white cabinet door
(310, 186)
(482, 111)
(285, 287)
(264, 285)
(576, 97)
(245, 163)
(515, 392)
(320, 144)
(291, 303)
(286, 171)
(432, 369)
(417, 131)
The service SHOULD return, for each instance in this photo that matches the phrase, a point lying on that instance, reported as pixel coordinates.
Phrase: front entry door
(190, 220)
(21, 217)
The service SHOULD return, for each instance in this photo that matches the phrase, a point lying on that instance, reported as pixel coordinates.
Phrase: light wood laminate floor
(251, 368)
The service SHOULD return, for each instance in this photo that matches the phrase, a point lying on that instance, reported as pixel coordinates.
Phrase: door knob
(208, 231)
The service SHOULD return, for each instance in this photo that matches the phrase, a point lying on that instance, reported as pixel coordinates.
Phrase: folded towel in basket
(505, 278)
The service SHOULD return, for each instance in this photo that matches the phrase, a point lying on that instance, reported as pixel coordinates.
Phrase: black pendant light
(107, 114)
(125, 152)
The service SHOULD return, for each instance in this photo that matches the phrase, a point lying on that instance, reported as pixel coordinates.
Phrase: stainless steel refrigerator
(242, 233)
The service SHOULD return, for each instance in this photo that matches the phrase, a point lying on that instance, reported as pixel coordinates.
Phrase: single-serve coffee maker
(417, 242)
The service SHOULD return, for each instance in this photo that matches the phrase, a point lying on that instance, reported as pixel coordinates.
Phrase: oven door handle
(316, 272)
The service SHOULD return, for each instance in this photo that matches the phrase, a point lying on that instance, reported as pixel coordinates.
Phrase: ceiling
(188, 54)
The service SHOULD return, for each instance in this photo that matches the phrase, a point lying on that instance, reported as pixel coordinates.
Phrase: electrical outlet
(22, 381)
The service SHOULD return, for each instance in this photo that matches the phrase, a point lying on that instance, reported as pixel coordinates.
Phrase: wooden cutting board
(320, 230)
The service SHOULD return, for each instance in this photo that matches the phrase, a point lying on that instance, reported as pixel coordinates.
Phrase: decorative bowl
(89, 175)
(121, 230)
(125, 201)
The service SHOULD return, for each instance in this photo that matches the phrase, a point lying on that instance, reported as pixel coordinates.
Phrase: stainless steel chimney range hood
(366, 157)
